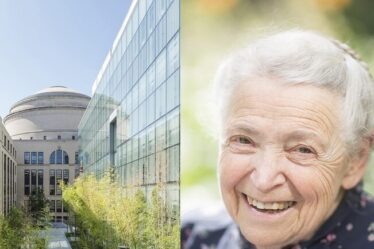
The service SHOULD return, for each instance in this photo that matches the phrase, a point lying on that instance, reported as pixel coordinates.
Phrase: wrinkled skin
(284, 143)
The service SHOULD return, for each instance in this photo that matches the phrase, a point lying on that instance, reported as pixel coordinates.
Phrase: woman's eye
(243, 140)
(305, 150)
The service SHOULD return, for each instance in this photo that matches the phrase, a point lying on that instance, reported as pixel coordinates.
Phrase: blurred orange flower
(332, 4)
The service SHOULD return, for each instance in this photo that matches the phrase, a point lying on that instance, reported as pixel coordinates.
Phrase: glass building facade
(132, 122)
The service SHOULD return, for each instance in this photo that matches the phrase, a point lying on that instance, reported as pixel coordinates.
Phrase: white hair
(305, 57)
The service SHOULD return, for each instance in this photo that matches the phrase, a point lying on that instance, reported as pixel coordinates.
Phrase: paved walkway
(56, 239)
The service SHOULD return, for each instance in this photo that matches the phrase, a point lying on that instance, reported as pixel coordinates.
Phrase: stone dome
(51, 111)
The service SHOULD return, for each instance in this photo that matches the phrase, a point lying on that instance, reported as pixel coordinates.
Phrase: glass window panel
(76, 157)
(135, 97)
(52, 206)
(135, 19)
(66, 176)
(151, 48)
(135, 122)
(151, 108)
(172, 91)
(135, 68)
(33, 181)
(27, 157)
(151, 176)
(160, 8)
(142, 115)
(33, 157)
(173, 55)
(59, 157)
(129, 103)
(161, 166)
(66, 158)
(160, 134)
(142, 88)
(161, 101)
(161, 68)
(58, 179)
(151, 144)
(173, 19)
(27, 182)
(173, 128)
(142, 8)
(52, 182)
(40, 179)
(151, 19)
(40, 157)
(142, 144)
(151, 79)
(129, 151)
(161, 35)
(135, 148)
(58, 206)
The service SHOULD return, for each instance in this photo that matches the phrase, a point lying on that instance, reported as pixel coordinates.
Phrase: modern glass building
(132, 121)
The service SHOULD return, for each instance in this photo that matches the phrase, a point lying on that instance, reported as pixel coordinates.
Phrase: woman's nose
(268, 173)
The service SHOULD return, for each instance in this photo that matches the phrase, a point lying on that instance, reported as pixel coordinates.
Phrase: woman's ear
(357, 165)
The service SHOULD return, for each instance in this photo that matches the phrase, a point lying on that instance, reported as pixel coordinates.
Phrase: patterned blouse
(350, 227)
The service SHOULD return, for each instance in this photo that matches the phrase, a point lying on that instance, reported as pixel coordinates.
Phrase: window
(59, 137)
(173, 55)
(113, 141)
(52, 158)
(172, 19)
(52, 206)
(161, 68)
(59, 157)
(161, 101)
(73, 137)
(172, 99)
(27, 181)
(66, 158)
(45, 138)
(58, 179)
(58, 206)
(76, 157)
(40, 157)
(33, 181)
(151, 108)
(160, 135)
(173, 163)
(27, 157)
(173, 128)
(66, 176)
(40, 179)
(52, 182)
(33, 157)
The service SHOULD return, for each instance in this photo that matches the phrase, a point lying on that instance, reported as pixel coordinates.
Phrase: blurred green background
(213, 28)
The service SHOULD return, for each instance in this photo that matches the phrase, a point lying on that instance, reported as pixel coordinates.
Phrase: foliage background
(213, 28)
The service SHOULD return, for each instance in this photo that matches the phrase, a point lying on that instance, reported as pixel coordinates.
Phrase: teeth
(269, 205)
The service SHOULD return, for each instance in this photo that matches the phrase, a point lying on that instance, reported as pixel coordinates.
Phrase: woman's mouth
(269, 207)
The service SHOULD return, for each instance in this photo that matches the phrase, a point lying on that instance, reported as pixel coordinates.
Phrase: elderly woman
(296, 131)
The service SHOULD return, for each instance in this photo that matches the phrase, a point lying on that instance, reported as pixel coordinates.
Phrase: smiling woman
(296, 132)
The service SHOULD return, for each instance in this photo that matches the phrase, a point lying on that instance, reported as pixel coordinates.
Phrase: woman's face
(282, 161)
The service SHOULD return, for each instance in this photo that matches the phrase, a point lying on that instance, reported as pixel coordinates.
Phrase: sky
(46, 43)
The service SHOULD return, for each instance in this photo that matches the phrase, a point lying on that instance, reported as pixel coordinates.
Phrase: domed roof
(54, 96)
(57, 89)
(54, 109)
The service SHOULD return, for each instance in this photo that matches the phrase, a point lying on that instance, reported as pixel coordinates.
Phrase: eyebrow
(291, 135)
(246, 128)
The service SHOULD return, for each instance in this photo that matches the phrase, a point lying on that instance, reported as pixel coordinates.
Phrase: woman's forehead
(270, 103)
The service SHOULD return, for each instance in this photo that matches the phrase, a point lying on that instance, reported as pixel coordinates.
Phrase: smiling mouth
(269, 207)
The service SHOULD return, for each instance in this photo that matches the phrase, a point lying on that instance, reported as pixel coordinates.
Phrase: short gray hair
(305, 57)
